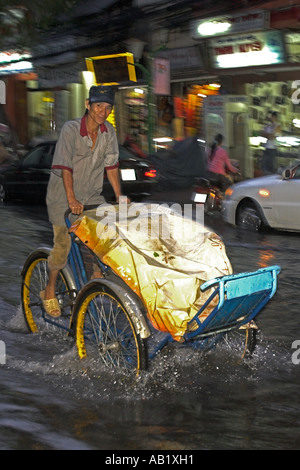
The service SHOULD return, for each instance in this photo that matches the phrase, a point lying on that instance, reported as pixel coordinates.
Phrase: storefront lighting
(296, 122)
(11, 61)
(257, 141)
(9, 57)
(201, 95)
(88, 79)
(16, 66)
(288, 141)
(161, 140)
(139, 91)
(246, 59)
(210, 28)
(112, 118)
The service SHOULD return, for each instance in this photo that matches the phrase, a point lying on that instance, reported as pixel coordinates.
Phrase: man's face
(99, 111)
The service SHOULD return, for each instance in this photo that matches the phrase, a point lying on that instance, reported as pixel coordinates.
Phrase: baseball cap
(103, 94)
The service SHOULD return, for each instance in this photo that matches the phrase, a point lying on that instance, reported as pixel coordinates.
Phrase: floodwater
(187, 401)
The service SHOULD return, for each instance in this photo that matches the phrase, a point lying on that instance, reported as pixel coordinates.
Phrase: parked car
(27, 179)
(270, 201)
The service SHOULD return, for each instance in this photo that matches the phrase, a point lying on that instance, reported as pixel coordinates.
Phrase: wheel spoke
(34, 281)
(107, 331)
(241, 341)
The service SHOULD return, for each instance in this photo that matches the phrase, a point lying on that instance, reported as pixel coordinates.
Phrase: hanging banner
(244, 50)
(183, 58)
(161, 76)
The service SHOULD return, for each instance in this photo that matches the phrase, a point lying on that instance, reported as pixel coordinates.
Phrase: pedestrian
(219, 165)
(86, 147)
(272, 130)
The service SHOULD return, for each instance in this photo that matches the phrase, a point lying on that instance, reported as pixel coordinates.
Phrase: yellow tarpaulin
(161, 254)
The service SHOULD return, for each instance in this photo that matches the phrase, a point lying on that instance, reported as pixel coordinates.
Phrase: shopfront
(180, 113)
(267, 87)
(258, 67)
(15, 70)
(246, 56)
(60, 91)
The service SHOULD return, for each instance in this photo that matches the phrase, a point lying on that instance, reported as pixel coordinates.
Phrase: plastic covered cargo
(163, 255)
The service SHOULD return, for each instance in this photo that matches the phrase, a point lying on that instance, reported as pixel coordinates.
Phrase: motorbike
(208, 192)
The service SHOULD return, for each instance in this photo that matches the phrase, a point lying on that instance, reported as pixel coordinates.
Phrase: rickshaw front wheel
(106, 329)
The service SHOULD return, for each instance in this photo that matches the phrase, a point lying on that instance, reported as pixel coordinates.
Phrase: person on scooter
(219, 165)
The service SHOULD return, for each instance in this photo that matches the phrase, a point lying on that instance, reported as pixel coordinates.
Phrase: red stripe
(83, 130)
(61, 167)
(112, 166)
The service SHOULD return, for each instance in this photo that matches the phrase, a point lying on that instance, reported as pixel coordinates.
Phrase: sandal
(51, 306)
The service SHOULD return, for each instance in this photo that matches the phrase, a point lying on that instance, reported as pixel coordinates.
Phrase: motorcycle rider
(219, 164)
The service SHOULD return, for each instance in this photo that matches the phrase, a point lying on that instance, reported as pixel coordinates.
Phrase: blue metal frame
(241, 297)
(76, 262)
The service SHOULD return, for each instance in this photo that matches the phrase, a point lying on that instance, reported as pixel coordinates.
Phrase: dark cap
(103, 94)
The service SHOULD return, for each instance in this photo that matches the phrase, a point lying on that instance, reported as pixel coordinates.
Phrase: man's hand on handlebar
(123, 199)
(75, 206)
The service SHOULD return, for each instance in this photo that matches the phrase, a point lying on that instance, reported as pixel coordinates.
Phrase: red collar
(83, 129)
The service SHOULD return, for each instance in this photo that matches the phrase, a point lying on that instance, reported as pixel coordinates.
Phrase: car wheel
(2, 192)
(248, 217)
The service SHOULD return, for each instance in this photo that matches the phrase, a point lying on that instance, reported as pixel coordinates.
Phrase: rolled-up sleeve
(112, 153)
(64, 151)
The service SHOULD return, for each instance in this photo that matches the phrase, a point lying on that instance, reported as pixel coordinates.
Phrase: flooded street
(187, 400)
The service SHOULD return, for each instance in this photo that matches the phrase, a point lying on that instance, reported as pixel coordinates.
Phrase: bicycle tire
(34, 280)
(106, 327)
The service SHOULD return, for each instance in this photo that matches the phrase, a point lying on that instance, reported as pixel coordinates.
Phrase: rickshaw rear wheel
(106, 329)
(34, 280)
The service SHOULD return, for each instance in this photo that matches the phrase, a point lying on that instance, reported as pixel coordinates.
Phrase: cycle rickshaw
(111, 321)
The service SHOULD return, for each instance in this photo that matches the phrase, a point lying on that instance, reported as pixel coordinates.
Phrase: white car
(272, 201)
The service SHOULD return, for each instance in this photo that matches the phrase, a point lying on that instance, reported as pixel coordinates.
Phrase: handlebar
(85, 208)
